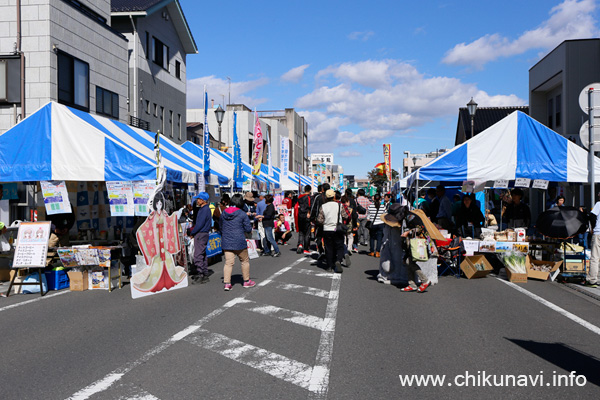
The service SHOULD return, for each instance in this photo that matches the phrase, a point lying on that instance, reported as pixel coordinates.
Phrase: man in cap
(200, 234)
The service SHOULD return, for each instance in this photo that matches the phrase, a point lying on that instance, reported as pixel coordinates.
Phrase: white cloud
(295, 74)
(572, 19)
(348, 154)
(362, 36)
(217, 88)
(355, 108)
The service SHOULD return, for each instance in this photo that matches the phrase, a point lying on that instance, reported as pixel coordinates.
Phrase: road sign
(584, 133)
(583, 96)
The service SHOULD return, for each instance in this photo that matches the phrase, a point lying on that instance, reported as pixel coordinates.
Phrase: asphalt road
(301, 333)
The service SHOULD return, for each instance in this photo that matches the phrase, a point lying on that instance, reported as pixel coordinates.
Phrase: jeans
(304, 233)
(334, 247)
(363, 232)
(269, 238)
(376, 233)
(200, 263)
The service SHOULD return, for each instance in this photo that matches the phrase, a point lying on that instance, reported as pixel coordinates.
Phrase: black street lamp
(472, 107)
(219, 113)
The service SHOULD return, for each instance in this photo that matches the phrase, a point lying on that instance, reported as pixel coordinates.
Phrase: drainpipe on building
(135, 70)
(22, 56)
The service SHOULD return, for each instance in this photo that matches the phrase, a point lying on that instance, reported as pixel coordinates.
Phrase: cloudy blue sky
(368, 73)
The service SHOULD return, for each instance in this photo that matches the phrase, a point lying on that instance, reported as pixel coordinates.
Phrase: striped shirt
(365, 203)
(374, 213)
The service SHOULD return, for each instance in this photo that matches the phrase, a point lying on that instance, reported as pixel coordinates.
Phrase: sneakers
(338, 267)
(589, 284)
(423, 286)
(307, 252)
(227, 287)
(276, 254)
(249, 283)
(200, 279)
(355, 250)
(371, 254)
(408, 289)
(377, 254)
(266, 254)
(300, 250)
(347, 260)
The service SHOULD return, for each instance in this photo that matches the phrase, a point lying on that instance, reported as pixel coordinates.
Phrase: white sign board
(56, 197)
(501, 183)
(583, 96)
(120, 198)
(142, 191)
(322, 158)
(32, 245)
(584, 133)
(522, 182)
(540, 184)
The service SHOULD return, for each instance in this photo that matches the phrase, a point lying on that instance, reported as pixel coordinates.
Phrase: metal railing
(139, 123)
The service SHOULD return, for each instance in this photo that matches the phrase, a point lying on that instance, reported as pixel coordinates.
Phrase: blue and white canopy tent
(55, 144)
(515, 147)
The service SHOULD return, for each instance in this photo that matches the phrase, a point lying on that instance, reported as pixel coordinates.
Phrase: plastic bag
(35, 278)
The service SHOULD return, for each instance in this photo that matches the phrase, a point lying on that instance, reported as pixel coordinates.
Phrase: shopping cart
(449, 253)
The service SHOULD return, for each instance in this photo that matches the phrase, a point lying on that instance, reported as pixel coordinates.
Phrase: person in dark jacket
(200, 234)
(303, 226)
(469, 218)
(356, 209)
(234, 223)
(268, 223)
(318, 201)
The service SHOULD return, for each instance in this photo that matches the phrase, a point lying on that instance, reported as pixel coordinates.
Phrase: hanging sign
(56, 197)
(501, 183)
(285, 158)
(32, 245)
(471, 246)
(540, 184)
(201, 183)
(522, 182)
(120, 198)
(142, 190)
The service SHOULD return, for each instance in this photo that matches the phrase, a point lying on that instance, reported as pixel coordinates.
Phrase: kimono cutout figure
(158, 238)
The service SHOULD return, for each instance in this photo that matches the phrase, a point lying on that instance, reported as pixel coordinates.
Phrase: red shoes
(409, 289)
(423, 286)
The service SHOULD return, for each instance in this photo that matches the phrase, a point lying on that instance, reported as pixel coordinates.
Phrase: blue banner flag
(206, 139)
(238, 178)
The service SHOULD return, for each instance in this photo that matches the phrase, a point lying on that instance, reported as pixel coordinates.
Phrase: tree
(380, 180)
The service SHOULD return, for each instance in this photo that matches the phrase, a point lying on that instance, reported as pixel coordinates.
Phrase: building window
(107, 102)
(171, 124)
(557, 118)
(177, 70)
(162, 119)
(73, 82)
(147, 46)
(147, 106)
(550, 113)
(155, 110)
(160, 53)
(179, 126)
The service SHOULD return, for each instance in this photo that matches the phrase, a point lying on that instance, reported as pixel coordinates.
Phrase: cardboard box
(572, 266)
(532, 274)
(513, 277)
(469, 269)
(78, 281)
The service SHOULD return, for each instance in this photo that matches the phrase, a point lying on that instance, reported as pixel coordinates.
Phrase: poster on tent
(56, 197)
(142, 190)
(32, 245)
(120, 198)
(161, 268)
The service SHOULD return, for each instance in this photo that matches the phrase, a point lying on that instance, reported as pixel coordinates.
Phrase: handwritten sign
(32, 247)
(501, 183)
(471, 246)
(56, 197)
(522, 182)
(540, 184)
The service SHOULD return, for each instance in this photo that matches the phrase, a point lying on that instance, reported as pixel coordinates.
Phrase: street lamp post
(472, 107)
(219, 113)
(414, 164)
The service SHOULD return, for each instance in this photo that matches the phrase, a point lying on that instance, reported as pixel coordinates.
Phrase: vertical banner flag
(269, 163)
(238, 178)
(285, 158)
(206, 138)
(258, 147)
(342, 183)
(387, 157)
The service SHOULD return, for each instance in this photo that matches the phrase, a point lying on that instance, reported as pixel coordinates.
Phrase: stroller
(450, 251)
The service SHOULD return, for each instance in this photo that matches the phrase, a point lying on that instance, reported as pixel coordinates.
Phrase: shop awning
(515, 147)
(54, 143)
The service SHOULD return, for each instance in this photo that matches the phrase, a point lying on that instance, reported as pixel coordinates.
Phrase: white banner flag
(285, 157)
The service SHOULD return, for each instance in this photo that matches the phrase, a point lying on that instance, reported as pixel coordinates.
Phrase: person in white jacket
(330, 214)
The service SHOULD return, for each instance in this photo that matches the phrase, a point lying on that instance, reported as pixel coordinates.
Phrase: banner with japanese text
(387, 157)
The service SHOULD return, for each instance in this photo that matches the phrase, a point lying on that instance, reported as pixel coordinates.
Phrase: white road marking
(313, 272)
(554, 307)
(46, 296)
(319, 379)
(104, 383)
(130, 391)
(295, 317)
(303, 289)
(274, 364)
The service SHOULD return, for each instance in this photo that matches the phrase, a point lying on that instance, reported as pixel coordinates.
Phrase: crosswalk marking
(268, 362)
(303, 289)
(312, 272)
(130, 391)
(295, 317)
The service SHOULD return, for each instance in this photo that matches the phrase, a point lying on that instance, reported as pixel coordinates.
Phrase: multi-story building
(159, 39)
(61, 50)
(298, 135)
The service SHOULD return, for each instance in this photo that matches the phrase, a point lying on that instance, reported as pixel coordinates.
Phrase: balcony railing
(139, 123)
